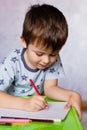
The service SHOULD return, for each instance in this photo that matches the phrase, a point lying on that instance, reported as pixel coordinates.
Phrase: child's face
(39, 58)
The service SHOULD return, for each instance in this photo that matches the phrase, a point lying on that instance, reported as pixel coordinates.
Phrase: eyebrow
(44, 51)
(55, 53)
(40, 51)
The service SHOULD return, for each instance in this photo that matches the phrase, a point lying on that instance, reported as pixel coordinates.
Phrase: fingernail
(46, 105)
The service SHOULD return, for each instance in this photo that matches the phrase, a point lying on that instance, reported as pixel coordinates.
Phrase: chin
(41, 68)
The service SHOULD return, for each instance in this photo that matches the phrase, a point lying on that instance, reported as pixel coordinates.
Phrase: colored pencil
(34, 86)
(14, 120)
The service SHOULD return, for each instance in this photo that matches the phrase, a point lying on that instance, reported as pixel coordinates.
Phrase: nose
(46, 59)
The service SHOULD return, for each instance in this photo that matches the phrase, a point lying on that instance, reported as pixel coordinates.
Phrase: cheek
(53, 59)
(31, 57)
(34, 58)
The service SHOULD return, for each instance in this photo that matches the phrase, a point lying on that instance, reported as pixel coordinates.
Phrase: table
(71, 122)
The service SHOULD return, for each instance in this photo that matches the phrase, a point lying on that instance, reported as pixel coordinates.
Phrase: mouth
(43, 66)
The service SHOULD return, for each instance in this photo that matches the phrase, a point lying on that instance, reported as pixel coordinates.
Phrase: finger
(40, 104)
(44, 103)
(79, 113)
(68, 105)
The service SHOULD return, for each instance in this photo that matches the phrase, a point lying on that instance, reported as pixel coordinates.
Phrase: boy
(45, 31)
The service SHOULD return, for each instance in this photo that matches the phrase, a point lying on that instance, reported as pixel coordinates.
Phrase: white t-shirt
(15, 74)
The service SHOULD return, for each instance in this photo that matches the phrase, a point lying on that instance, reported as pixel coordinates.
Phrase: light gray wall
(73, 54)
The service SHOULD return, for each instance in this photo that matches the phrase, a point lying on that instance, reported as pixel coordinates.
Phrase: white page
(55, 112)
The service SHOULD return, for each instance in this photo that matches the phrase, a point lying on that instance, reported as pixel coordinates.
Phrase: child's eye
(39, 54)
(53, 54)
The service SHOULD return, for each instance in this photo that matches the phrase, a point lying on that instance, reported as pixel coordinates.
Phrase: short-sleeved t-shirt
(15, 74)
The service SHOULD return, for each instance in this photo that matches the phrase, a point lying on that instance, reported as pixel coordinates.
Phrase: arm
(8, 71)
(55, 92)
(34, 103)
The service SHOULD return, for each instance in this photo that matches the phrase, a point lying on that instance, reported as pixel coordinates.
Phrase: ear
(23, 42)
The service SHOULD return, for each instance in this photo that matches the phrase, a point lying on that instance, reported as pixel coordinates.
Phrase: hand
(34, 103)
(75, 100)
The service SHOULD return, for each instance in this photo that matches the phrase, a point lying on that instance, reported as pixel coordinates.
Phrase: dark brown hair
(46, 25)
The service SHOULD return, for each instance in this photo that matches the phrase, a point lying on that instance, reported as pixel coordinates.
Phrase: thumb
(68, 105)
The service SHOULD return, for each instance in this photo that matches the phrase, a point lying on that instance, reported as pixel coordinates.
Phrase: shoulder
(16, 52)
(57, 64)
(56, 69)
(13, 56)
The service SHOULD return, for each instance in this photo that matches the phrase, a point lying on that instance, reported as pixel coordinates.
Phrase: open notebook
(55, 112)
